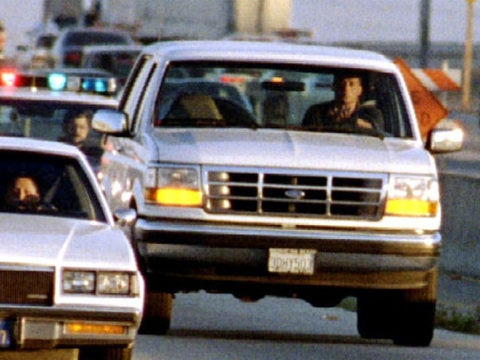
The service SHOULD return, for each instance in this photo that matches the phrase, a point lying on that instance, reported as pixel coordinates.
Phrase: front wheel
(105, 353)
(408, 323)
(375, 316)
(157, 313)
(415, 324)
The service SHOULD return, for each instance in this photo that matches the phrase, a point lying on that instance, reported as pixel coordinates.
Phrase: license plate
(6, 327)
(291, 261)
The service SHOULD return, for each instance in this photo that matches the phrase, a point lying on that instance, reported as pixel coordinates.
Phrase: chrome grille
(326, 195)
(26, 286)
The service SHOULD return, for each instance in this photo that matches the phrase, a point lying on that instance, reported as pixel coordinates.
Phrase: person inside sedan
(23, 194)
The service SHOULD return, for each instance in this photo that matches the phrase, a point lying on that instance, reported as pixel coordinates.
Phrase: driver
(345, 112)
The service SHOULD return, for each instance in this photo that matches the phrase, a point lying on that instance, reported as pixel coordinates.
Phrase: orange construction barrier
(428, 108)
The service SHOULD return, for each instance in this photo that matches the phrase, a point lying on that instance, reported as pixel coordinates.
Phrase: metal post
(424, 32)
(260, 17)
(467, 68)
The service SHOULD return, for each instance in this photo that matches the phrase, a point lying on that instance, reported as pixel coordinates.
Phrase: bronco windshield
(303, 98)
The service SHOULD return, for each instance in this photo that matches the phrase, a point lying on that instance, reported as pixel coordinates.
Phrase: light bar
(62, 82)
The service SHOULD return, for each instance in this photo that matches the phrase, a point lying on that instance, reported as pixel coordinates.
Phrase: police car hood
(54, 241)
(292, 149)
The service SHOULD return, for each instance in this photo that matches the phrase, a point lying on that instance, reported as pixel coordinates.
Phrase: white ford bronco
(243, 185)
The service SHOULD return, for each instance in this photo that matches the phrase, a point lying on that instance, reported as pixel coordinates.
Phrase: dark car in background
(68, 49)
(118, 60)
(38, 54)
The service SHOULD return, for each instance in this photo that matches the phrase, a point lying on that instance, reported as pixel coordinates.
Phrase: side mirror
(110, 122)
(125, 217)
(446, 137)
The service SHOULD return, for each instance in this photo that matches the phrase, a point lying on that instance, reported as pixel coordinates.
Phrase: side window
(144, 110)
(390, 102)
(134, 88)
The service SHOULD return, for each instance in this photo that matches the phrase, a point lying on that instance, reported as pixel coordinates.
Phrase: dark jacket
(320, 116)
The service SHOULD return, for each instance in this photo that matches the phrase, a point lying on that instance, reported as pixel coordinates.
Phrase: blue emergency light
(62, 82)
(57, 82)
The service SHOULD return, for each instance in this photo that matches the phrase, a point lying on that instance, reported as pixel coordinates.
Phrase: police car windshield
(39, 119)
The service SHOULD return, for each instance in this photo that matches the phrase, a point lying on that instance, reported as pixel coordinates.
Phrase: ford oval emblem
(295, 194)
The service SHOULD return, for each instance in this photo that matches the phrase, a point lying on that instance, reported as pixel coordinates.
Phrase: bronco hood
(292, 149)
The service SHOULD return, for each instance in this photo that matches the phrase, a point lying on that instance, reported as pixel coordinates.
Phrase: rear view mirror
(281, 85)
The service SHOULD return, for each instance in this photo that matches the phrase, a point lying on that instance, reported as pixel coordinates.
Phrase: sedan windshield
(303, 98)
(34, 183)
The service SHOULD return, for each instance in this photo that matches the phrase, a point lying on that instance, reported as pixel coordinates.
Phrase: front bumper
(47, 328)
(185, 256)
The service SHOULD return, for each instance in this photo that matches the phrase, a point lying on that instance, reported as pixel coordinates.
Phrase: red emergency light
(8, 77)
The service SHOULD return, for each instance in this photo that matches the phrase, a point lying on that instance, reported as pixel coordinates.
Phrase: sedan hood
(292, 149)
(53, 241)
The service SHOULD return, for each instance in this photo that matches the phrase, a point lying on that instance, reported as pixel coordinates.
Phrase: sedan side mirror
(125, 217)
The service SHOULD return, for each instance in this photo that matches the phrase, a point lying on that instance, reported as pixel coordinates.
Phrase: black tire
(375, 317)
(105, 353)
(408, 323)
(415, 324)
(157, 313)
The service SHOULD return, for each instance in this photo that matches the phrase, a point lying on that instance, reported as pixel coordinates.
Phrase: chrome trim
(143, 227)
(290, 193)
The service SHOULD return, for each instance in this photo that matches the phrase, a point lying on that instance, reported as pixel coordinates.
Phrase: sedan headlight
(173, 186)
(413, 196)
(113, 283)
(101, 283)
(82, 282)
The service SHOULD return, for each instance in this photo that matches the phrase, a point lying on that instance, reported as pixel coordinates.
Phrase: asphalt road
(221, 327)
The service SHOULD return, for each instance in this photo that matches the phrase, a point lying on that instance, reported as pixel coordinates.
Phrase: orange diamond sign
(428, 108)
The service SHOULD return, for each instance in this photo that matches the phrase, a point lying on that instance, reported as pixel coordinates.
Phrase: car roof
(93, 30)
(40, 146)
(24, 93)
(112, 48)
(90, 30)
(86, 72)
(271, 52)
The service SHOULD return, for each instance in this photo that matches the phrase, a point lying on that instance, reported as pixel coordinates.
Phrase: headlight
(173, 186)
(413, 196)
(102, 283)
(82, 282)
(113, 283)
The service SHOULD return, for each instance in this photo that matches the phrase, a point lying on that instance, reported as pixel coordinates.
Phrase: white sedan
(69, 281)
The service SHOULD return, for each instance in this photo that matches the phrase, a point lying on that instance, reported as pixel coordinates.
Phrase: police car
(37, 105)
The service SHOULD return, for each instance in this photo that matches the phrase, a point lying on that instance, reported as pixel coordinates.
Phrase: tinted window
(118, 63)
(95, 38)
(64, 189)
